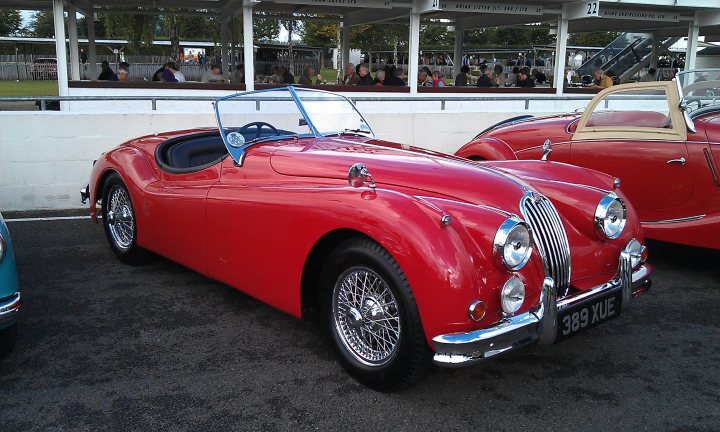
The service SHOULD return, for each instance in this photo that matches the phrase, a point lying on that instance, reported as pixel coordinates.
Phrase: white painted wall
(46, 157)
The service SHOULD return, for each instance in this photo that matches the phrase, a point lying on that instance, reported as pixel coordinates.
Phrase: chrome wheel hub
(120, 218)
(366, 317)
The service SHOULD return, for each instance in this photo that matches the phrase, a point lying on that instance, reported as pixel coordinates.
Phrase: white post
(693, 34)
(560, 57)
(345, 45)
(414, 52)
(248, 51)
(457, 59)
(92, 55)
(60, 51)
(74, 50)
(224, 53)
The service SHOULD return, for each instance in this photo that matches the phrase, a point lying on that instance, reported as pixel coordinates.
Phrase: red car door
(639, 136)
(175, 210)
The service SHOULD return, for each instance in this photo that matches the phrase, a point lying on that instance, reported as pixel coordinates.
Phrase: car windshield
(700, 88)
(288, 112)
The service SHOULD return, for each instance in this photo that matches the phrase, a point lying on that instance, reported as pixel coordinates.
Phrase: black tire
(119, 222)
(8, 336)
(386, 314)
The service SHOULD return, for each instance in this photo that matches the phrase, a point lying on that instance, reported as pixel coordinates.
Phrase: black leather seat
(196, 152)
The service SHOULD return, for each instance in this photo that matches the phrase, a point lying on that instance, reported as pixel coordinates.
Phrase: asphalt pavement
(106, 346)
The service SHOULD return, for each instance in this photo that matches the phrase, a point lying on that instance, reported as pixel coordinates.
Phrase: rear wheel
(372, 316)
(119, 221)
(8, 336)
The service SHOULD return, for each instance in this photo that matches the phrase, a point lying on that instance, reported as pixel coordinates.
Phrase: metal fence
(442, 101)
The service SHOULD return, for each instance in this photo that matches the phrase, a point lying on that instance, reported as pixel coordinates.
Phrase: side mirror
(547, 149)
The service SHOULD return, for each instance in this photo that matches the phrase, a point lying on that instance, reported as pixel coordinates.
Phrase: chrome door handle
(680, 161)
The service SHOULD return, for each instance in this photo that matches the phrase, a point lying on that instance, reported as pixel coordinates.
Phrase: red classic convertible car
(411, 255)
(661, 139)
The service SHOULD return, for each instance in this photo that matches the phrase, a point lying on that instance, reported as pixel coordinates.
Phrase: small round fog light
(476, 311)
(637, 252)
(513, 294)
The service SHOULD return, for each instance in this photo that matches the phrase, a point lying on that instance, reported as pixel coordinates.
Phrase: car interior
(194, 152)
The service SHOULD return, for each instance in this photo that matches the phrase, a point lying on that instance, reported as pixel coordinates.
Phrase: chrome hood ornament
(359, 175)
(547, 149)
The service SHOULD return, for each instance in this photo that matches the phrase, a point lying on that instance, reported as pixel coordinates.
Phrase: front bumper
(9, 308)
(538, 325)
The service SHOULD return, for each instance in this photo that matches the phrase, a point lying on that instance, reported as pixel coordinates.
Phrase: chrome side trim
(667, 221)
(10, 308)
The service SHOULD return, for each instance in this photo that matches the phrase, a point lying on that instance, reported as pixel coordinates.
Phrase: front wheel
(119, 221)
(372, 316)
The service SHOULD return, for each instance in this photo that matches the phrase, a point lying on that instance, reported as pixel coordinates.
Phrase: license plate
(588, 314)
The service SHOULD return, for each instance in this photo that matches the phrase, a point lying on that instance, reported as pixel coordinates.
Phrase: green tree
(42, 24)
(266, 28)
(137, 29)
(436, 36)
(9, 22)
(596, 39)
(319, 34)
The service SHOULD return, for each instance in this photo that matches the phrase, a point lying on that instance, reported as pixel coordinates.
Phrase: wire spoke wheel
(366, 317)
(120, 217)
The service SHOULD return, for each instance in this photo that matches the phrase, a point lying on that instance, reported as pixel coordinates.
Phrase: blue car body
(10, 300)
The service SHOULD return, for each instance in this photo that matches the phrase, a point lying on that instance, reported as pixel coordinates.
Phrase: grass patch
(28, 88)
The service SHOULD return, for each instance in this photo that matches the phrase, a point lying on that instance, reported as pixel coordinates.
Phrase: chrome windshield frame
(295, 95)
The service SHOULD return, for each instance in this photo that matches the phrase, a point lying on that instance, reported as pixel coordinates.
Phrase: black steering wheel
(258, 128)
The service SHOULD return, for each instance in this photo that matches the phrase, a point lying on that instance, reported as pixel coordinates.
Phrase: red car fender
(487, 148)
(136, 174)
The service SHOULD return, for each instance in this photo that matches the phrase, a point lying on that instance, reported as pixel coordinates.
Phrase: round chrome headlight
(610, 216)
(513, 243)
(513, 295)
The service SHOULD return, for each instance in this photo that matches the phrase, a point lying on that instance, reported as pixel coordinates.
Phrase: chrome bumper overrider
(9, 308)
(538, 325)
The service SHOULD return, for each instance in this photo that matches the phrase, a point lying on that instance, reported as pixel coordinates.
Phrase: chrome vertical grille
(550, 238)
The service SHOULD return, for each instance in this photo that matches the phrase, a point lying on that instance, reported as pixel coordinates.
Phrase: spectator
(396, 79)
(286, 76)
(214, 75)
(157, 76)
(423, 79)
(238, 75)
(650, 76)
(601, 80)
(513, 77)
(350, 78)
(538, 76)
(437, 79)
(123, 74)
(106, 74)
(524, 78)
(365, 78)
(306, 78)
(463, 77)
(484, 79)
(179, 77)
(168, 76)
(275, 77)
(124, 65)
(83, 56)
(379, 78)
(499, 75)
